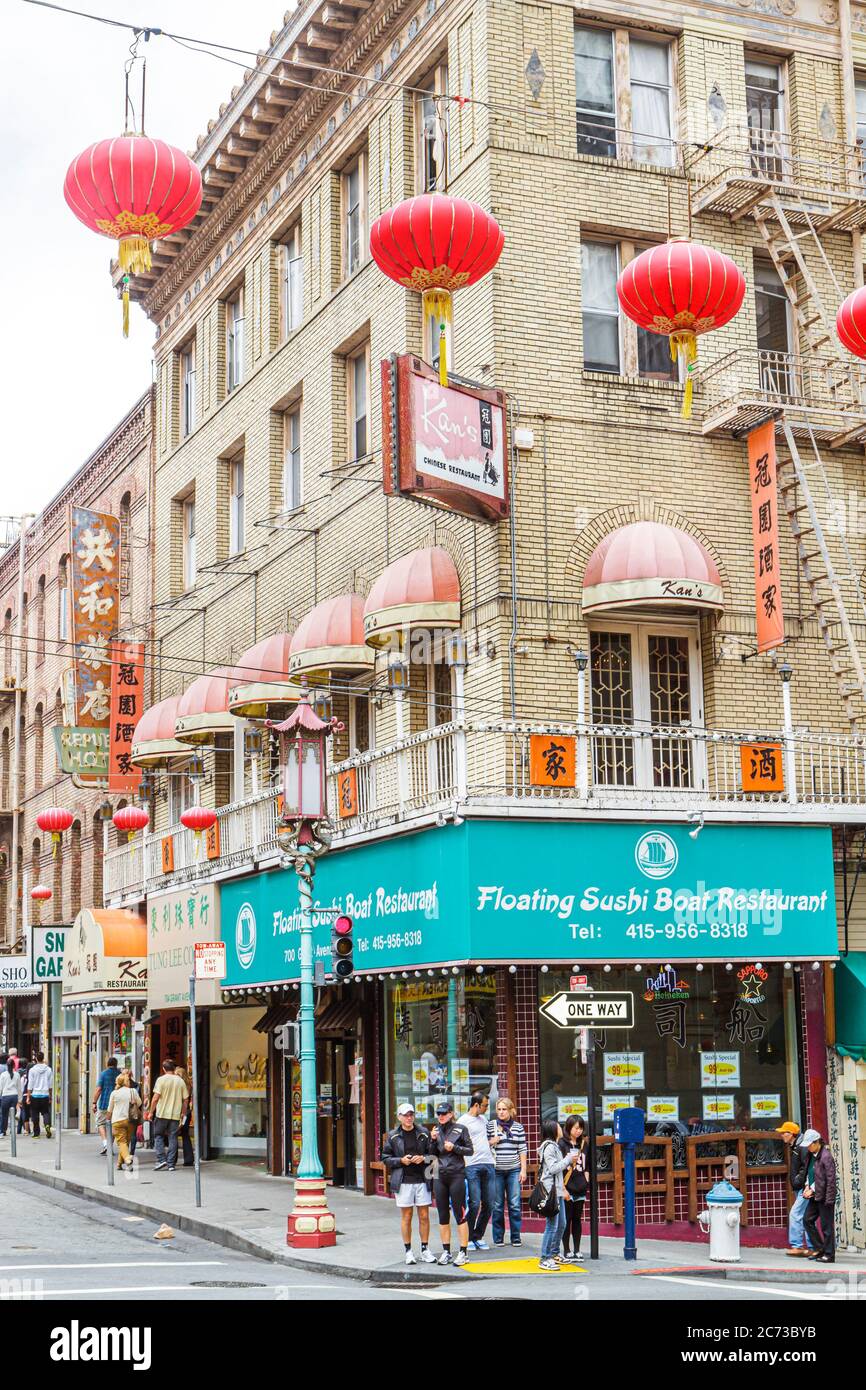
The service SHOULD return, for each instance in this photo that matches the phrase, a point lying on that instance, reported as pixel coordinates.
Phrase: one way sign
(590, 1009)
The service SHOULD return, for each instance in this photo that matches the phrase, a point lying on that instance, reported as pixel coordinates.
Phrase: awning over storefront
(649, 564)
(340, 1016)
(261, 686)
(331, 638)
(154, 743)
(851, 1005)
(105, 957)
(276, 1016)
(420, 590)
(203, 709)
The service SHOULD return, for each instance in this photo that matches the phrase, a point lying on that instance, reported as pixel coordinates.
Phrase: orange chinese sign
(762, 767)
(127, 707)
(765, 537)
(212, 840)
(347, 792)
(167, 848)
(552, 760)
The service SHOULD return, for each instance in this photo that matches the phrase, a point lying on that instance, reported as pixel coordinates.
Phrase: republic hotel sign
(492, 890)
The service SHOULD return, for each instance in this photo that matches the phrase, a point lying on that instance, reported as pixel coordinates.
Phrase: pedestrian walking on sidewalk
(450, 1145)
(123, 1103)
(104, 1087)
(183, 1129)
(39, 1084)
(508, 1142)
(167, 1108)
(11, 1092)
(24, 1110)
(406, 1155)
(480, 1170)
(799, 1243)
(576, 1183)
(552, 1164)
(820, 1190)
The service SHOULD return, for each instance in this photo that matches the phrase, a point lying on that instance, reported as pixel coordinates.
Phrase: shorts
(102, 1118)
(450, 1194)
(413, 1194)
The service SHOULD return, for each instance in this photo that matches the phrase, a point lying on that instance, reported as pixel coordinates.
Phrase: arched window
(16, 907)
(120, 836)
(4, 896)
(25, 633)
(57, 885)
(75, 856)
(40, 621)
(22, 756)
(96, 840)
(8, 663)
(125, 545)
(38, 746)
(63, 599)
(35, 876)
(4, 769)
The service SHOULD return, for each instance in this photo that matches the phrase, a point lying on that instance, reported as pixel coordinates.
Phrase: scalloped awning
(203, 709)
(422, 589)
(261, 688)
(154, 743)
(331, 638)
(650, 564)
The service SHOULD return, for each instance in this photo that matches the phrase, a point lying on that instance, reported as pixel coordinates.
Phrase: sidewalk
(245, 1209)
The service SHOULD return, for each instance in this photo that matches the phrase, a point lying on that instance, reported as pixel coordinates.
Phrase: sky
(67, 375)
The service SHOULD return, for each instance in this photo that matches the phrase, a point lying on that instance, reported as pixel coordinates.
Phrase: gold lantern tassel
(437, 302)
(133, 252)
(685, 341)
(126, 306)
(55, 841)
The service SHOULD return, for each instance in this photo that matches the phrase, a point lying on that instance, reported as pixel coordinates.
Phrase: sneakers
(549, 1266)
(170, 1169)
(156, 1166)
(516, 1242)
(461, 1257)
(47, 1131)
(445, 1258)
(427, 1257)
(481, 1245)
(410, 1258)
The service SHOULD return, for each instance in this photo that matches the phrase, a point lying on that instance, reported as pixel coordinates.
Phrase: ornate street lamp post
(303, 834)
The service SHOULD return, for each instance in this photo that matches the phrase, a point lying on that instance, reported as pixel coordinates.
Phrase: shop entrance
(338, 1110)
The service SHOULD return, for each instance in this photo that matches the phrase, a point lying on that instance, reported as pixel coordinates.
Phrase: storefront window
(237, 1082)
(711, 1050)
(440, 1041)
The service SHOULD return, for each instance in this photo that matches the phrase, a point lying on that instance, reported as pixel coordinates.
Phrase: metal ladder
(816, 327)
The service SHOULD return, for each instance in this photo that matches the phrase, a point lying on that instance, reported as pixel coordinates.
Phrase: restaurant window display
(238, 1082)
(711, 1050)
(440, 1040)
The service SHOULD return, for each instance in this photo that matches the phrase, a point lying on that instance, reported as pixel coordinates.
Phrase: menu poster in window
(611, 1103)
(423, 1108)
(571, 1105)
(623, 1069)
(659, 1108)
(420, 1072)
(765, 1105)
(460, 1073)
(718, 1107)
(720, 1069)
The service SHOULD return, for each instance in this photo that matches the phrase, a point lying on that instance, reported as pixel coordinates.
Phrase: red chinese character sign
(127, 707)
(765, 537)
(94, 545)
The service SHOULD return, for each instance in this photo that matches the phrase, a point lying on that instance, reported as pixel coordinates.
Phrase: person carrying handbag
(552, 1165)
(123, 1098)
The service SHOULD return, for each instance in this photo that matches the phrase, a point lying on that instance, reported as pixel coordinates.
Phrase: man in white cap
(820, 1189)
(406, 1155)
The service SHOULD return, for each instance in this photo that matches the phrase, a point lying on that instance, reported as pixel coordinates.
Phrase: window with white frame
(189, 556)
(358, 392)
(180, 794)
(611, 341)
(431, 117)
(234, 340)
(187, 389)
(361, 722)
(292, 459)
(236, 506)
(292, 271)
(63, 601)
(860, 98)
(354, 214)
(624, 95)
(645, 690)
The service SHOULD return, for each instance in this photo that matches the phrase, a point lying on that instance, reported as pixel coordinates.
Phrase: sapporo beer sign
(94, 545)
(590, 1009)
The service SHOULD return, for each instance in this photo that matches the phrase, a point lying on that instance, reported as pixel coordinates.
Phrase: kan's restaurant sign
(510, 891)
(105, 956)
(443, 444)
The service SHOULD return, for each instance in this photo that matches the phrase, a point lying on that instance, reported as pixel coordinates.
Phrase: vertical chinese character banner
(127, 693)
(94, 546)
(765, 537)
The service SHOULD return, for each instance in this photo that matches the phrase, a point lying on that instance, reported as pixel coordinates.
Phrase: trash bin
(721, 1220)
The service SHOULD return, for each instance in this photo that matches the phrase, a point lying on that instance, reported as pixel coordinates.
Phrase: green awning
(851, 1005)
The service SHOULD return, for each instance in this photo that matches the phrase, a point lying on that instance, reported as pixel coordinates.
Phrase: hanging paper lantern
(130, 819)
(681, 289)
(135, 190)
(56, 819)
(851, 322)
(199, 819)
(436, 244)
(40, 893)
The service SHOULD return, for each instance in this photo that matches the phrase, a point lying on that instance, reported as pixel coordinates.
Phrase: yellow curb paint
(517, 1267)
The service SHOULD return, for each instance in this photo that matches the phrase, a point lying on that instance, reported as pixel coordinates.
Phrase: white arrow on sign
(583, 1010)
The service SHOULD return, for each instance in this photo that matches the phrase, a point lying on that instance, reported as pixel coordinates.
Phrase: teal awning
(851, 1005)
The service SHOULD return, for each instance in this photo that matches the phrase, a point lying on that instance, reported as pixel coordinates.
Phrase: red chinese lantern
(56, 819)
(435, 244)
(851, 322)
(199, 819)
(40, 893)
(133, 189)
(130, 819)
(681, 289)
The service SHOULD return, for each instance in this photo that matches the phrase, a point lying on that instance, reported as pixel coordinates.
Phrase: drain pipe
(514, 416)
(849, 99)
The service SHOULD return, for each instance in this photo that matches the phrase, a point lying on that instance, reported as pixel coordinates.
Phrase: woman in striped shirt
(508, 1142)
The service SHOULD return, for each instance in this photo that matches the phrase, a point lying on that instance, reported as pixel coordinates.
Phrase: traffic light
(342, 946)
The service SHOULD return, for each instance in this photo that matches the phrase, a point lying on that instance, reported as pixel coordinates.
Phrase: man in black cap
(450, 1145)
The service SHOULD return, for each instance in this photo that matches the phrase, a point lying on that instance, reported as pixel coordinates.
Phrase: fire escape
(816, 391)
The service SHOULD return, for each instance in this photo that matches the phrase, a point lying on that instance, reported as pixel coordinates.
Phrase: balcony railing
(485, 768)
(824, 396)
(741, 167)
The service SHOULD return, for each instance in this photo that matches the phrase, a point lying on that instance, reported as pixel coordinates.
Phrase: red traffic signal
(342, 946)
(343, 926)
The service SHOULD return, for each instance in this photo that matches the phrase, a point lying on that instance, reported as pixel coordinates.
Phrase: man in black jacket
(406, 1154)
(798, 1158)
(450, 1145)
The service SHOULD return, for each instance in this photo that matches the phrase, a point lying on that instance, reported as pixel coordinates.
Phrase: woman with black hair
(551, 1166)
(576, 1183)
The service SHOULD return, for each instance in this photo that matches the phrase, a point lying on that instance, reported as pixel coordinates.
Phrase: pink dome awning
(203, 708)
(260, 686)
(649, 564)
(331, 638)
(154, 743)
(420, 590)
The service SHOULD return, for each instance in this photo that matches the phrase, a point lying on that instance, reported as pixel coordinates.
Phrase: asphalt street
(57, 1246)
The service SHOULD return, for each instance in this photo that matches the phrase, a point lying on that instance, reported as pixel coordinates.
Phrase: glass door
(773, 321)
(765, 118)
(337, 1112)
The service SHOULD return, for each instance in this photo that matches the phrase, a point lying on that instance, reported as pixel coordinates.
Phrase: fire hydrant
(721, 1220)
